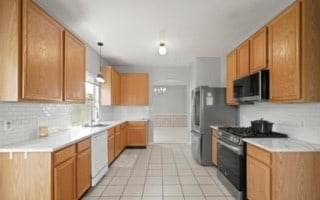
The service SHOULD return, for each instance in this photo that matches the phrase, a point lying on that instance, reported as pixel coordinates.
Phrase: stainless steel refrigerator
(209, 108)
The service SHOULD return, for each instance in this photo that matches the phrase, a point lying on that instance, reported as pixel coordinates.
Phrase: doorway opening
(170, 114)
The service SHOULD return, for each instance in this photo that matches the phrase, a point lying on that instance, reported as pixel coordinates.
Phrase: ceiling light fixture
(162, 49)
(100, 78)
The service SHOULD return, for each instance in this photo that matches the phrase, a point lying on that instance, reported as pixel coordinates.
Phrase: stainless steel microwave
(254, 87)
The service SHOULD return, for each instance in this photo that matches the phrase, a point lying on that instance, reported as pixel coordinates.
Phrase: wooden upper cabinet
(74, 69)
(231, 76)
(243, 59)
(141, 89)
(284, 52)
(127, 85)
(116, 87)
(10, 41)
(42, 55)
(111, 88)
(258, 51)
(135, 89)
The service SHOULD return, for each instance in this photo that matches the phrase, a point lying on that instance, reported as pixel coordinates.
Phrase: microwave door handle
(234, 149)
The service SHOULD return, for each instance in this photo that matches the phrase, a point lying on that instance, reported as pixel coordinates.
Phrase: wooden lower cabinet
(65, 180)
(282, 175)
(123, 136)
(83, 167)
(137, 134)
(117, 141)
(258, 188)
(215, 147)
(111, 146)
(61, 175)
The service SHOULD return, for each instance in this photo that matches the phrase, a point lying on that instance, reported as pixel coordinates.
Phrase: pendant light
(100, 78)
(162, 49)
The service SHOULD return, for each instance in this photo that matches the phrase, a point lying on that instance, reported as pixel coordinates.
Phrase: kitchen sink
(96, 125)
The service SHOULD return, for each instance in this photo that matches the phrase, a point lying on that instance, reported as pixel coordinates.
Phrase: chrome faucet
(94, 117)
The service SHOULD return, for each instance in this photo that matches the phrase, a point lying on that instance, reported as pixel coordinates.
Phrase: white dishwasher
(99, 154)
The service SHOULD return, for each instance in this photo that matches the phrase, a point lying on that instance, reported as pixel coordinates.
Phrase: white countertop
(60, 139)
(214, 127)
(283, 145)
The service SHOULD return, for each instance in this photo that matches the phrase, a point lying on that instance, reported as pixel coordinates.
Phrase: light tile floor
(170, 135)
(161, 171)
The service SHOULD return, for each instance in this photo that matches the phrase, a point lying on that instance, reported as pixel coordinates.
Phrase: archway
(170, 111)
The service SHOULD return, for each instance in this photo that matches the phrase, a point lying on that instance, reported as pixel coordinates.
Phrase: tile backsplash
(27, 117)
(301, 121)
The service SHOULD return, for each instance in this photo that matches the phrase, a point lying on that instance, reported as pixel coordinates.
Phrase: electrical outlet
(302, 123)
(8, 125)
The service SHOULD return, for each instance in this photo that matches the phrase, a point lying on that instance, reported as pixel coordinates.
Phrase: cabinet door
(115, 88)
(65, 180)
(10, 15)
(117, 143)
(259, 180)
(137, 136)
(42, 55)
(111, 146)
(231, 76)
(123, 137)
(127, 87)
(215, 147)
(74, 69)
(83, 172)
(141, 89)
(135, 89)
(284, 55)
(244, 59)
(258, 51)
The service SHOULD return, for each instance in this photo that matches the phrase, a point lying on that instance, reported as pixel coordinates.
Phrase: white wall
(301, 121)
(172, 102)
(223, 72)
(208, 71)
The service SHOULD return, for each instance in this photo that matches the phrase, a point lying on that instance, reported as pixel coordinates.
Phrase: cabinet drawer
(259, 154)
(139, 124)
(64, 154)
(117, 128)
(110, 131)
(83, 145)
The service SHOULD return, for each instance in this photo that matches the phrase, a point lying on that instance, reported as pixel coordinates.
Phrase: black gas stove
(232, 157)
(235, 134)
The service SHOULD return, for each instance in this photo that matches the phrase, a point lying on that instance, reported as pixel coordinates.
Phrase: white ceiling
(132, 29)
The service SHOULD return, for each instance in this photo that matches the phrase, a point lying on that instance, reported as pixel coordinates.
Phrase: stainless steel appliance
(99, 155)
(208, 108)
(254, 87)
(232, 157)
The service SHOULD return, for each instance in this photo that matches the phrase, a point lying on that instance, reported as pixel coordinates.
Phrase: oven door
(232, 163)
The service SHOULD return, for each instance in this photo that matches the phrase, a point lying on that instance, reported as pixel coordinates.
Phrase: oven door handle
(236, 150)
